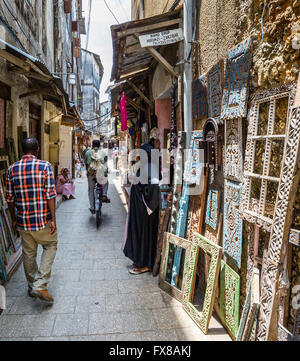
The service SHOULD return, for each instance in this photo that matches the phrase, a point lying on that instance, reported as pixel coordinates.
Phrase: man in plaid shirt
(30, 189)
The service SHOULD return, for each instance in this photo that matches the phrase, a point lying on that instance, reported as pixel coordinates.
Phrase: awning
(49, 86)
(130, 58)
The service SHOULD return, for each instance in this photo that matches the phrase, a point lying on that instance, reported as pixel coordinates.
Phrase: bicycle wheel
(98, 218)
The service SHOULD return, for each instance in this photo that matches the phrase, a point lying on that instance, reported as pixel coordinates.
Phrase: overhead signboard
(161, 38)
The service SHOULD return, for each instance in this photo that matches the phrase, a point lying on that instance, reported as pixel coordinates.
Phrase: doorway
(35, 123)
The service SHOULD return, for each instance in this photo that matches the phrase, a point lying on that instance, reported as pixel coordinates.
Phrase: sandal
(133, 271)
(105, 199)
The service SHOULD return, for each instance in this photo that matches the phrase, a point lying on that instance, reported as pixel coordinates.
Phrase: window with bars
(264, 154)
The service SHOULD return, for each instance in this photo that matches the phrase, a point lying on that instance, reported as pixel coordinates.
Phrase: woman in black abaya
(142, 231)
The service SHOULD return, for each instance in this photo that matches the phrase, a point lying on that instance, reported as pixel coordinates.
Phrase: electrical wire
(262, 28)
(165, 6)
(111, 11)
(124, 11)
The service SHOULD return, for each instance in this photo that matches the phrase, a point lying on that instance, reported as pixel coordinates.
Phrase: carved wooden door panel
(233, 224)
(215, 85)
(235, 94)
(233, 152)
(288, 184)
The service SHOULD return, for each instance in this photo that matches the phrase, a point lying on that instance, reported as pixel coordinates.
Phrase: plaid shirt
(29, 184)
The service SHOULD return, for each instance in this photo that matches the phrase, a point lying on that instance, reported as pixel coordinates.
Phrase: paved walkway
(95, 297)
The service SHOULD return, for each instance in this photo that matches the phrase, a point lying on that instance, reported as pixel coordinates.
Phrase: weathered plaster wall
(223, 24)
(276, 61)
(152, 7)
(217, 28)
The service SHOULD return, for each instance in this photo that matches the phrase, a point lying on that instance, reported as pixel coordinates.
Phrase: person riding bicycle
(96, 160)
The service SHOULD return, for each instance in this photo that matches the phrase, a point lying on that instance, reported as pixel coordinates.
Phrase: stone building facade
(48, 31)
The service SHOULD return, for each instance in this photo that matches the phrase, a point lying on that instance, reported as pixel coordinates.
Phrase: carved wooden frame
(178, 242)
(213, 221)
(233, 150)
(229, 298)
(202, 319)
(280, 228)
(255, 213)
(250, 310)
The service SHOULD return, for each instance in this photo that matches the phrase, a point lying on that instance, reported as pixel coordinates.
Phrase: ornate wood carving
(215, 85)
(177, 180)
(195, 217)
(195, 162)
(294, 237)
(235, 95)
(163, 226)
(199, 98)
(163, 284)
(258, 177)
(233, 223)
(233, 153)
(213, 206)
(284, 334)
(250, 310)
(211, 138)
(202, 319)
(297, 325)
(286, 193)
(230, 298)
(180, 232)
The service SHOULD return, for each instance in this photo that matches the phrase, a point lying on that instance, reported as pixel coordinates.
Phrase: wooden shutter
(68, 6)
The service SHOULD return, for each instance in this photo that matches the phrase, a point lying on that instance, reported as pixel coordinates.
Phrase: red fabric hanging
(123, 109)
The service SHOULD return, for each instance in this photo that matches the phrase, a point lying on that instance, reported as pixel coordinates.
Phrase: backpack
(96, 162)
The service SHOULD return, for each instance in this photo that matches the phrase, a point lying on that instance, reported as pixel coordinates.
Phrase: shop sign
(161, 38)
(67, 121)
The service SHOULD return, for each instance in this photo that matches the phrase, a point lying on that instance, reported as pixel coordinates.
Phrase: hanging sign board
(161, 38)
(67, 121)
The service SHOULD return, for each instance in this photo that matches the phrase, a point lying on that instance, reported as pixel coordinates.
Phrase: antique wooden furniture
(171, 239)
(202, 319)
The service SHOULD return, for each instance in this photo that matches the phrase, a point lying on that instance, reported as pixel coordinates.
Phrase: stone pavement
(95, 297)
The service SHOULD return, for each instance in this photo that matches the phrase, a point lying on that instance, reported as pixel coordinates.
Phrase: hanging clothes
(123, 109)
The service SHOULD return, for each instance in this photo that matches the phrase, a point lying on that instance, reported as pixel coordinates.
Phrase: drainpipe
(187, 76)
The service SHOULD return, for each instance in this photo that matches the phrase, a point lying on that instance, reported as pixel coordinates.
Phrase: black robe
(141, 241)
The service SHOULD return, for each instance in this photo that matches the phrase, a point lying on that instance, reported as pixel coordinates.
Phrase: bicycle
(98, 203)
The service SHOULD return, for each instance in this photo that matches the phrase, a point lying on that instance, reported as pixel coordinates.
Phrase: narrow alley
(96, 299)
